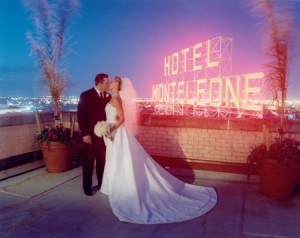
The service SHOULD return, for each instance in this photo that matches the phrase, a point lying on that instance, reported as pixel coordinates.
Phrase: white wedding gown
(141, 191)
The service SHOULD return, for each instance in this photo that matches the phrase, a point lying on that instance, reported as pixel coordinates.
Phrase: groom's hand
(87, 139)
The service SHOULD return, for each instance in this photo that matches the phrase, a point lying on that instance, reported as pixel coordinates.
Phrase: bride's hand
(109, 135)
(111, 129)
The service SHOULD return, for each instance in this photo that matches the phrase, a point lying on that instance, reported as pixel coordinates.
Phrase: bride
(139, 189)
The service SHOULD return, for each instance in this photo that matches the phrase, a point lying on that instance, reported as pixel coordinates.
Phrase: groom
(90, 110)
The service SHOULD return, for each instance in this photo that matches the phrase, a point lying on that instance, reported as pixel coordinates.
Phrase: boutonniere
(107, 95)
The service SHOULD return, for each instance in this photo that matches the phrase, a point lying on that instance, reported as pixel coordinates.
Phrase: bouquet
(101, 128)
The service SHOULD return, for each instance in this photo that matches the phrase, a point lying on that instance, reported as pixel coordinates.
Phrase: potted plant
(278, 163)
(256, 154)
(278, 167)
(56, 144)
(49, 43)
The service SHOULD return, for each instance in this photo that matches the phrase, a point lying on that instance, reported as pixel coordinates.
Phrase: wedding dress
(141, 191)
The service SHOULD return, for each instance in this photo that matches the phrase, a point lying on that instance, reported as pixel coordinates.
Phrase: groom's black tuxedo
(90, 110)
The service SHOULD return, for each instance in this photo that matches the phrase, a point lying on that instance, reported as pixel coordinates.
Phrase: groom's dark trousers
(90, 110)
(95, 151)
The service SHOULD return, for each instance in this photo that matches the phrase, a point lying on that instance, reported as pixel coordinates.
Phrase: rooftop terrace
(35, 203)
(41, 204)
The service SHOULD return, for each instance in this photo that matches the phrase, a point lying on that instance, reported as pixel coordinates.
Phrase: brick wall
(207, 139)
(176, 138)
(199, 144)
(17, 139)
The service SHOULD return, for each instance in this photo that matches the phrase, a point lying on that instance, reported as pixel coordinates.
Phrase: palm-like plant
(49, 42)
(279, 35)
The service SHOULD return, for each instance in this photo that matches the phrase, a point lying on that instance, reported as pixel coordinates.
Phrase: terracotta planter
(57, 156)
(278, 181)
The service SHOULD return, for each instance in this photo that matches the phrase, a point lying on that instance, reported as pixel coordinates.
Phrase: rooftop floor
(42, 204)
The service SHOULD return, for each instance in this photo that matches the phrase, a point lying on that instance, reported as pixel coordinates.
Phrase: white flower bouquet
(101, 128)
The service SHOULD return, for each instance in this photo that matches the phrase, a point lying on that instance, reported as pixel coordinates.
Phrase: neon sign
(200, 75)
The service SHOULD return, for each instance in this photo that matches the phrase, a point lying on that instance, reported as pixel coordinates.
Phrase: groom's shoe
(88, 191)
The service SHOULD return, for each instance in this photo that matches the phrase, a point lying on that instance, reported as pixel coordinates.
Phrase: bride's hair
(119, 80)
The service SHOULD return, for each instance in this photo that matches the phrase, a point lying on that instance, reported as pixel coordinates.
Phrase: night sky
(131, 38)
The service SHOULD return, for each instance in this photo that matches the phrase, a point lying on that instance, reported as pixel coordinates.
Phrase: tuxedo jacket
(90, 110)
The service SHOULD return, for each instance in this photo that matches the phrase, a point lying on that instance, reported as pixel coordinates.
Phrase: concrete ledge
(291, 126)
(212, 175)
(22, 169)
(21, 159)
(23, 118)
(235, 168)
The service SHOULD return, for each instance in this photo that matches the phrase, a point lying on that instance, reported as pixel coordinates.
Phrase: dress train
(141, 191)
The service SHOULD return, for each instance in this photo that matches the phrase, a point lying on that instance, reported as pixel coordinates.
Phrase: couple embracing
(139, 189)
